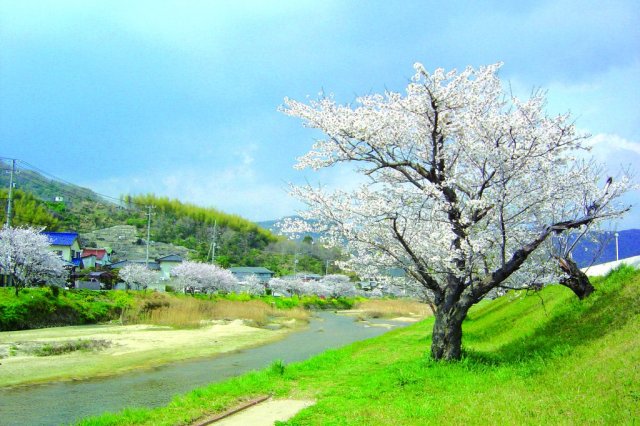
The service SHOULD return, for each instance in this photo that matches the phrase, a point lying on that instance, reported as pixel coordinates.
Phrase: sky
(180, 98)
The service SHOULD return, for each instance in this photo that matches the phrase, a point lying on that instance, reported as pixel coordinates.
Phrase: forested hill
(82, 210)
(43, 187)
(198, 228)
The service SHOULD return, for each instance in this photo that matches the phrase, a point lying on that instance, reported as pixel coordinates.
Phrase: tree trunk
(576, 280)
(447, 334)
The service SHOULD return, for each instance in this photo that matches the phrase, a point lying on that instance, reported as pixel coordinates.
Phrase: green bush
(39, 307)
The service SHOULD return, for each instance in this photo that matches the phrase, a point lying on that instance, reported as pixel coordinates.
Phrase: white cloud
(614, 143)
(235, 190)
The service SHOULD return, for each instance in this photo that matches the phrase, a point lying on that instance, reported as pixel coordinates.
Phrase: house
(244, 272)
(382, 281)
(163, 266)
(94, 280)
(307, 276)
(88, 261)
(166, 264)
(154, 266)
(65, 245)
(102, 256)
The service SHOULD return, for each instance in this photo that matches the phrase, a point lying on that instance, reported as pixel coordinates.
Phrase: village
(97, 268)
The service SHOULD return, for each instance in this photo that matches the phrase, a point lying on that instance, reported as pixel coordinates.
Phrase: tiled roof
(61, 238)
(97, 252)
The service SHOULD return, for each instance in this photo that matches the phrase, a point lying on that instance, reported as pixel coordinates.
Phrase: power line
(55, 179)
(45, 179)
(13, 170)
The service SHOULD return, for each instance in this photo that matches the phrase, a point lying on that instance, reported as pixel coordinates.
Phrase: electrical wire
(43, 174)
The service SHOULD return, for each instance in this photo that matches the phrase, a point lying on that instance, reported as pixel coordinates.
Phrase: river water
(67, 402)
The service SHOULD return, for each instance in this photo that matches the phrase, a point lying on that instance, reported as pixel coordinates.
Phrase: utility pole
(213, 241)
(149, 208)
(13, 170)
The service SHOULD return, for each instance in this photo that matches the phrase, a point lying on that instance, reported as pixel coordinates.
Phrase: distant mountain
(44, 188)
(270, 225)
(600, 247)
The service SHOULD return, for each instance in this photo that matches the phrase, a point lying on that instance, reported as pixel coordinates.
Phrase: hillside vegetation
(238, 242)
(192, 226)
(530, 358)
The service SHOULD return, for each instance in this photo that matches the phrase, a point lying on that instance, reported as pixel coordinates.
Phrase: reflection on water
(66, 402)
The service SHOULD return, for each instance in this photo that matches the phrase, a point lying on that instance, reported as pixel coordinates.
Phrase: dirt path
(266, 413)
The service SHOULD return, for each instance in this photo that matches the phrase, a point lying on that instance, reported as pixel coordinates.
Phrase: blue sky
(180, 98)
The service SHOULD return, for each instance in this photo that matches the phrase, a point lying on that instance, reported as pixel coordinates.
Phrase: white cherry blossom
(465, 185)
(26, 256)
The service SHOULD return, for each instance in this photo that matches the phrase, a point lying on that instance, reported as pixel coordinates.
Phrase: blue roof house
(65, 245)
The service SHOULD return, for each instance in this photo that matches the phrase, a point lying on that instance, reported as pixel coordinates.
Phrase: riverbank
(156, 387)
(37, 356)
(181, 328)
(526, 362)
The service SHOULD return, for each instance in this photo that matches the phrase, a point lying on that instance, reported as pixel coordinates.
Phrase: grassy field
(543, 358)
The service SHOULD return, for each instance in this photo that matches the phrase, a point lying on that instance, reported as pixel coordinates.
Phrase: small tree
(464, 185)
(251, 285)
(338, 286)
(204, 277)
(137, 275)
(26, 257)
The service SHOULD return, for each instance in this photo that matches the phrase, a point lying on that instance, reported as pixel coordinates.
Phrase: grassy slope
(568, 362)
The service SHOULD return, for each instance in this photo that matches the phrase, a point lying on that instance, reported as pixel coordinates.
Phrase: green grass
(564, 362)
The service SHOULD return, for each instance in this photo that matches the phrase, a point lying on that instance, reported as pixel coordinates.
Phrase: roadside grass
(543, 358)
(389, 308)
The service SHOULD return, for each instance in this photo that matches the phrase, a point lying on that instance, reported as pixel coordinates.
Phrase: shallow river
(66, 402)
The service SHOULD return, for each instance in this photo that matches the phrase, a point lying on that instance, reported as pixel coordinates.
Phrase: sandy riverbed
(128, 347)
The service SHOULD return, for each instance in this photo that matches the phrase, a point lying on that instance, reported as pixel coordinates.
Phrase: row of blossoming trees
(207, 278)
(25, 256)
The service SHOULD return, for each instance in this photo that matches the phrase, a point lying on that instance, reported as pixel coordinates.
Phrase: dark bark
(576, 280)
(446, 344)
